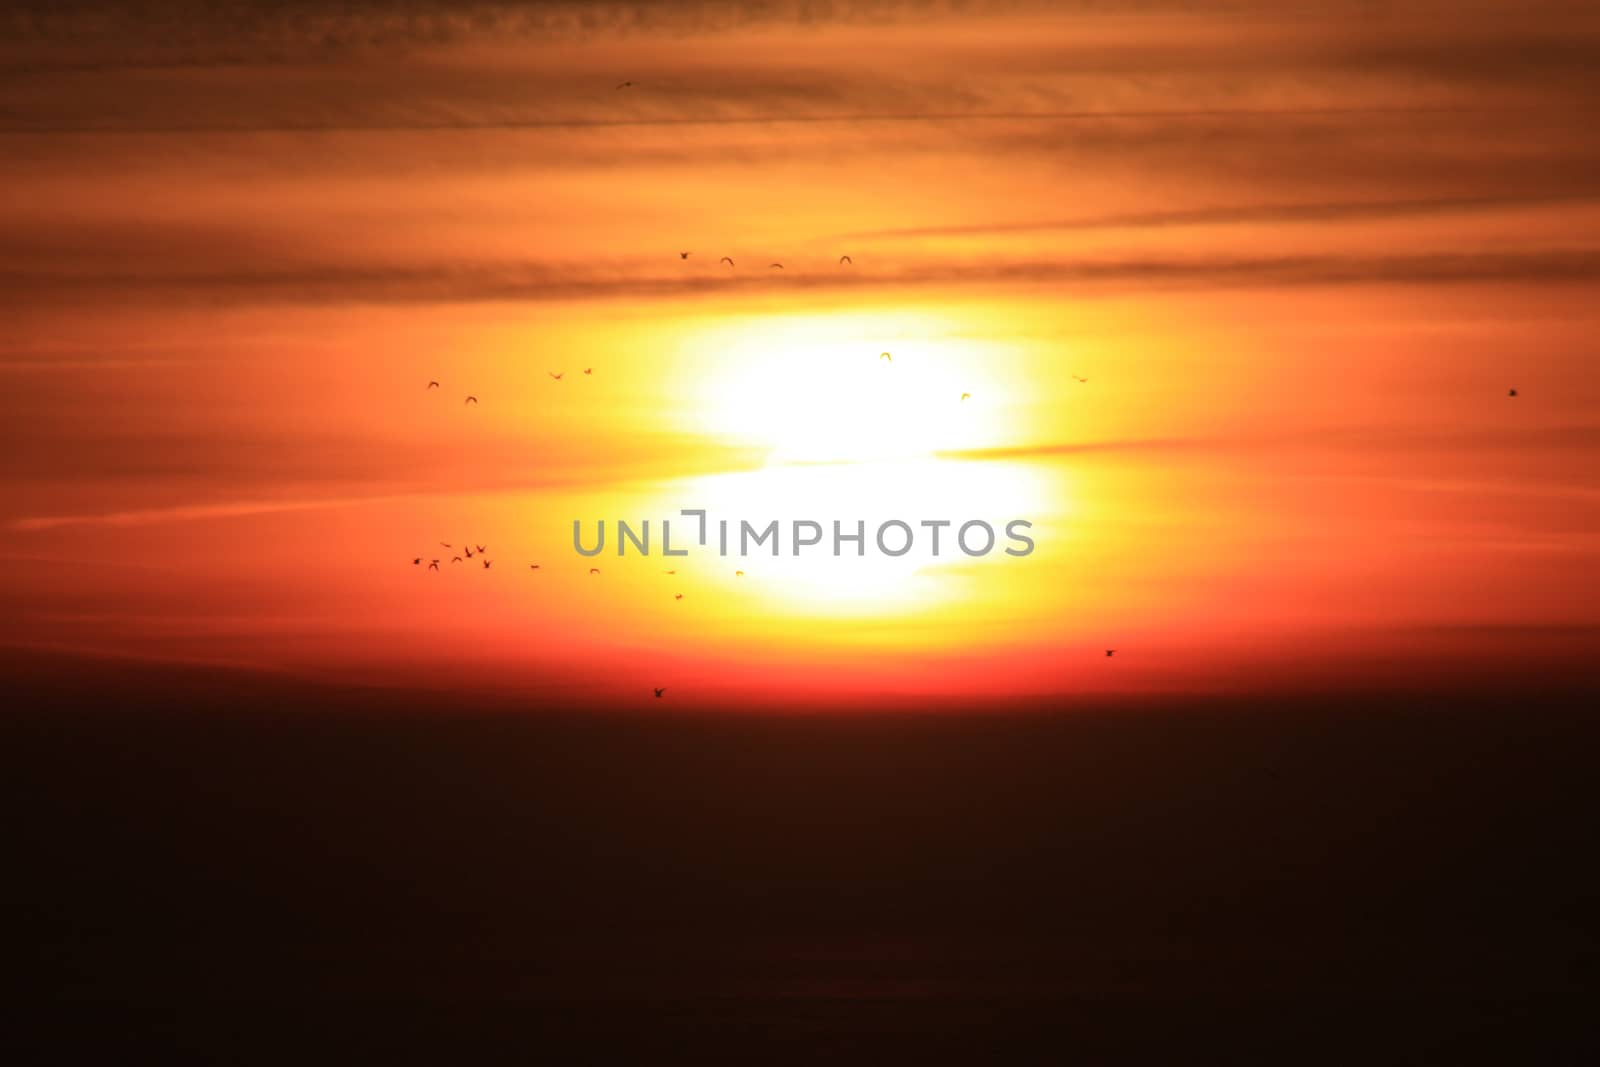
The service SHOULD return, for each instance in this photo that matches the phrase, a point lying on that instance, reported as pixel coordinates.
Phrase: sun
(851, 436)
(817, 389)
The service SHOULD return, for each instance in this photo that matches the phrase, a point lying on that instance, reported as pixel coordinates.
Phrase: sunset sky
(1300, 256)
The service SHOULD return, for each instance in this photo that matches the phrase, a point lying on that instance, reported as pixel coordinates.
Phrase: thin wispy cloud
(1391, 440)
(1240, 214)
(182, 513)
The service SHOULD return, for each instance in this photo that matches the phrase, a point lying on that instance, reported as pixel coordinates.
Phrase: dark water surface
(257, 869)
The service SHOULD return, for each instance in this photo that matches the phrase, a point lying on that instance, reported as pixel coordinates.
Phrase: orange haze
(1300, 257)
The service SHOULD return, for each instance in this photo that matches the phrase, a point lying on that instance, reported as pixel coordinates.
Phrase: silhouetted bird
(887, 356)
(417, 562)
(557, 377)
(624, 85)
(726, 259)
(679, 596)
(772, 266)
(434, 565)
(482, 549)
(669, 572)
(1078, 379)
(1513, 392)
(486, 563)
(660, 689)
(846, 259)
(588, 370)
(433, 385)
(738, 574)
(470, 400)
(533, 566)
(683, 255)
(966, 396)
(446, 544)
(455, 559)
(469, 553)
(1110, 652)
(594, 570)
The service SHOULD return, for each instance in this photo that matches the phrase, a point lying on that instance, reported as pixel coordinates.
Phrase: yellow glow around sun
(817, 389)
(850, 436)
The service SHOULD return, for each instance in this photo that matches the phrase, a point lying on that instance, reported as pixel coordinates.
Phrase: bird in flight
(455, 559)
(887, 356)
(966, 396)
(557, 377)
(1110, 652)
(433, 565)
(588, 370)
(1513, 392)
(679, 596)
(446, 544)
(669, 572)
(846, 259)
(432, 384)
(726, 259)
(533, 566)
(594, 570)
(482, 549)
(1078, 379)
(417, 562)
(486, 563)
(624, 85)
(469, 551)
(660, 689)
(738, 574)
(772, 266)
(470, 400)
(683, 255)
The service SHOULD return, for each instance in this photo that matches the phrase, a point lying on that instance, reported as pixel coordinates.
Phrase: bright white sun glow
(818, 389)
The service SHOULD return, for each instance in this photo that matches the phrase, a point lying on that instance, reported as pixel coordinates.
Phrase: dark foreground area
(261, 870)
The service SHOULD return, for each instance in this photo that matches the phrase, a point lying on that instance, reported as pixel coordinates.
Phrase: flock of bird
(433, 564)
(843, 261)
(433, 383)
(473, 550)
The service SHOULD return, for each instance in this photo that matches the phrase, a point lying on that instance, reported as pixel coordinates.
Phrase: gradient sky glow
(1299, 256)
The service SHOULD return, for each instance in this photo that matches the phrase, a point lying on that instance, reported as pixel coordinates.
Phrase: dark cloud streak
(505, 282)
(775, 119)
(1321, 211)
